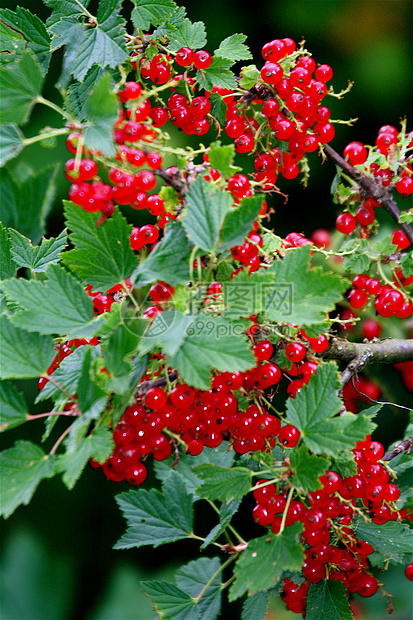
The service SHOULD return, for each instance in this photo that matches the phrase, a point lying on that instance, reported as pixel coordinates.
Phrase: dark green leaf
(393, 539)
(37, 258)
(223, 483)
(11, 142)
(187, 34)
(328, 599)
(67, 8)
(147, 13)
(67, 376)
(59, 305)
(406, 263)
(307, 469)
(167, 330)
(193, 577)
(169, 261)
(344, 464)
(262, 563)
(218, 108)
(120, 345)
(101, 111)
(24, 355)
(155, 518)
(226, 513)
(300, 295)
(33, 30)
(358, 261)
(91, 398)
(22, 468)
(171, 602)
(13, 407)
(102, 256)
(234, 48)
(237, 223)
(255, 607)
(8, 267)
(78, 94)
(219, 73)
(12, 45)
(20, 84)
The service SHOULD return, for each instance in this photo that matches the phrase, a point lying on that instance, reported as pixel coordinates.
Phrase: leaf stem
(59, 387)
(54, 107)
(85, 11)
(214, 576)
(45, 136)
(59, 441)
(287, 506)
(48, 413)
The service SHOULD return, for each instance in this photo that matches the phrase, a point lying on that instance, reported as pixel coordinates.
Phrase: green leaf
(300, 295)
(211, 342)
(234, 48)
(169, 261)
(167, 330)
(91, 398)
(33, 30)
(121, 344)
(219, 456)
(406, 263)
(67, 8)
(218, 110)
(8, 267)
(101, 111)
(206, 208)
(12, 45)
(221, 157)
(147, 13)
(219, 73)
(262, 563)
(22, 468)
(358, 261)
(24, 355)
(170, 602)
(67, 376)
(25, 205)
(39, 257)
(328, 599)
(255, 607)
(237, 223)
(59, 305)
(13, 407)
(20, 84)
(226, 513)
(312, 409)
(104, 44)
(307, 469)
(98, 445)
(155, 518)
(187, 34)
(11, 142)
(249, 76)
(223, 483)
(193, 577)
(78, 94)
(102, 255)
(393, 539)
(344, 464)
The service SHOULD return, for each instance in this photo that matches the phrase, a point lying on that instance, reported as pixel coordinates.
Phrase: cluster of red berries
(64, 350)
(103, 303)
(389, 301)
(332, 550)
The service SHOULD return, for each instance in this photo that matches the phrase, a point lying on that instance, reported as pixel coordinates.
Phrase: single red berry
(295, 351)
(346, 223)
(409, 571)
(289, 435)
(202, 59)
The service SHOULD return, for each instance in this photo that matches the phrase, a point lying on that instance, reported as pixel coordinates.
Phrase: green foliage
(218, 74)
(307, 469)
(36, 258)
(20, 84)
(234, 48)
(328, 599)
(392, 539)
(101, 110)
(13, 407)
(22, 23)
(223, 483)
(11, 142)
(15, 343)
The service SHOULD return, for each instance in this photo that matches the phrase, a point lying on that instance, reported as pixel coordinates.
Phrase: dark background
(57, 560)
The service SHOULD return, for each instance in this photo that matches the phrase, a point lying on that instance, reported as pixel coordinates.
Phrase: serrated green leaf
(22, 468)
(8, 267)
(171, 602)
(13, 407)
(24, 355)
(249, 76)
(271, 243)
(344, 464)
(206, 208)
(187, 34)
(328, 599)
(393, 539)
(262, 563)
(102, 255)
(33, 31)
(219, 73)
(11, 142)
(12, 45)
(223, 483)
(67, 375)
(121, 344)
(221, 157)
(78, 94)
(226, 513)
(37, 258)
(211, 342)
(406, 264)
(238, 222)
(312, 413)
(98, 446)
(218, 108)
(20, 84)
(169, 261)
(255, 607)
(358, 261)
(219, 456)
(101, 110)
(167, 330)
(91, 397)
(147, 13)
(192, 579)
(307, 469)
(234, 48)
(24, 206)
(67, 8)
(311, 293)
(155, 518)
(59, 305)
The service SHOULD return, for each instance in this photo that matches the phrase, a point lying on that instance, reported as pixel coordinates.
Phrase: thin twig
(404, 446)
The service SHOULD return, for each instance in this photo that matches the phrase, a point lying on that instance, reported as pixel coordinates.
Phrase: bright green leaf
(13, 407)
(155, 518)
(249, 76)
(167, 330)
(37, 258)
(78, 94)
(223, 483)
(221, 157)
(67, 376)
(22, 468)
(218, 111)
(102, 255)
(24, 355)
(262, 563)
(11, 142)
(147, 13)
(328, 599)
(187, 34)
(121, 344)
(101, 110)
(219, 73)
(237, 223)
(307, 469)
(20, 84)
(234, 48)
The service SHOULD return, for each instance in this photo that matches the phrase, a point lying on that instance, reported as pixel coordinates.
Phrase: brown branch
(372, 189)
(404, 446)
(146, 385)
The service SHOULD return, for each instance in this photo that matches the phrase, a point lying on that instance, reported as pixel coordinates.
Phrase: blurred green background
(57, 560)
